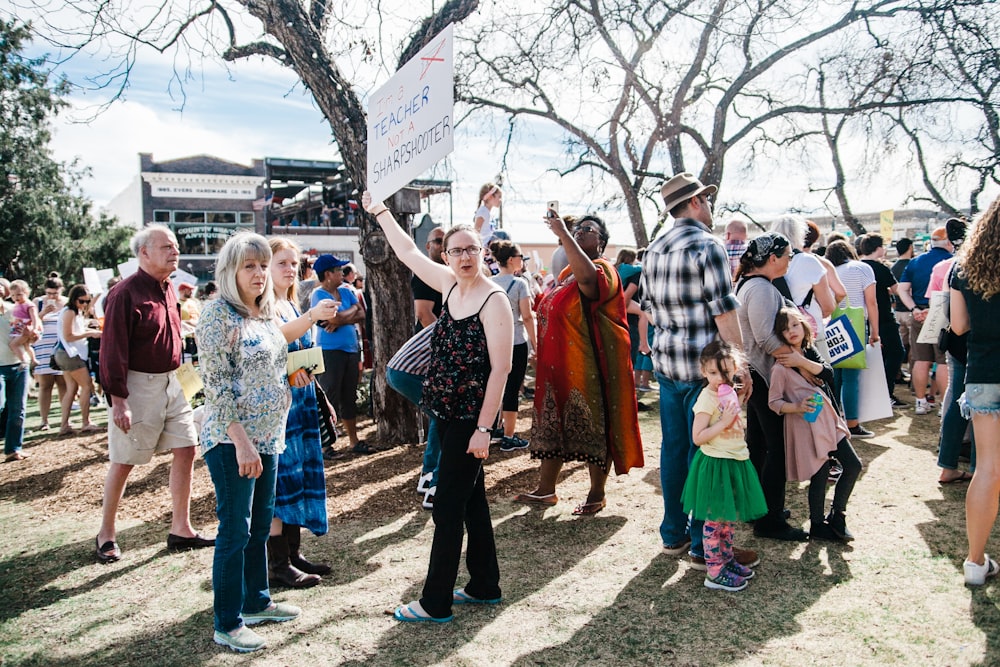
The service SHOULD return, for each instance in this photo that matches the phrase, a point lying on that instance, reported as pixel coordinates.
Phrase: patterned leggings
(718, 545)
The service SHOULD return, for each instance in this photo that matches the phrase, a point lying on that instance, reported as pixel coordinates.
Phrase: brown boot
(280, 572)
(293, 534)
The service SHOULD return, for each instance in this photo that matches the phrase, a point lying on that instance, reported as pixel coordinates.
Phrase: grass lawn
(577, 590)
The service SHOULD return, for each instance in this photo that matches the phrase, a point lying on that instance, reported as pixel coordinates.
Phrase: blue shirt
(345, 338)
(918, 273)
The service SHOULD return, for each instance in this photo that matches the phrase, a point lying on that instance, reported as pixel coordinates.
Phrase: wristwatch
(483, 429)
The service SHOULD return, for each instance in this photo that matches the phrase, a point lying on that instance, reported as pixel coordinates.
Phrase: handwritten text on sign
(410, 118)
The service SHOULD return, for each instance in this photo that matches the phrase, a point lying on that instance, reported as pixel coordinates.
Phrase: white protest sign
(92, 280)
(128, 267)
(410, 118)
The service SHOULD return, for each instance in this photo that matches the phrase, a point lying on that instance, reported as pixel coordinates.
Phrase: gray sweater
(760, 302)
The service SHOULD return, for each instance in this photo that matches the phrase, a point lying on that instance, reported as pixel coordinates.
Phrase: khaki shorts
(161, 420)
(904, 320)
(923, 351)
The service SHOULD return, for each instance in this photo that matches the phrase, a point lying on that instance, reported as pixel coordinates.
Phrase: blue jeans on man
(677, 450)
(411, 387)
(245, 507)
(15, 382)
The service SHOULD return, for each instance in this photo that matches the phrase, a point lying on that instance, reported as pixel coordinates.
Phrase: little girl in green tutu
(722, 486)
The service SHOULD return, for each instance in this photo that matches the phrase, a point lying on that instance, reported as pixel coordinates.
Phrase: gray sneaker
(278, 612)
(241, 640)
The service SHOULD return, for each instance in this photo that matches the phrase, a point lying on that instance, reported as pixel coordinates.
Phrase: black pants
(766, 441)
(518, 367)
(893, 353)
(460, 505)
(851, 464)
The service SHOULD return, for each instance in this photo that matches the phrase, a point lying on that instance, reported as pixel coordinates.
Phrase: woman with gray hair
(807, 283)
(242, 358)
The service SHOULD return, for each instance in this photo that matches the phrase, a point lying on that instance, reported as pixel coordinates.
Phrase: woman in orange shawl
(585, 405)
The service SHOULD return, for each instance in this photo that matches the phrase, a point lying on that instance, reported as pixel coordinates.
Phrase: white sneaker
(424, 483)
(976, 575)
(923, 407)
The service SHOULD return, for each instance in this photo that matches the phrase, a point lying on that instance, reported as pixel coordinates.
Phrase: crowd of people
(731, 332)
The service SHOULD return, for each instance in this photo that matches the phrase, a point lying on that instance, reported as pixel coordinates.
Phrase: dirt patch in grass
(577, 590)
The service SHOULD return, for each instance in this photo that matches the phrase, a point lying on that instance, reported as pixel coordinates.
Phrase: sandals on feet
(363, 448)
(414, 613)
(15, 456)
(964, 477)
(547, 500)
(91, 428)
(590, 508)
(459, 596)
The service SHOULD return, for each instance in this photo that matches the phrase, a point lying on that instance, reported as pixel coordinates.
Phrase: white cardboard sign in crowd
(410, 118)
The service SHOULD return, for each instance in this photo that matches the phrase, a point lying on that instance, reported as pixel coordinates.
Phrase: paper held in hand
(189, 379)
(310, 359)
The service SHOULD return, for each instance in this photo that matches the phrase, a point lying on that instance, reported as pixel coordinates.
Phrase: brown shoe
(280, 570)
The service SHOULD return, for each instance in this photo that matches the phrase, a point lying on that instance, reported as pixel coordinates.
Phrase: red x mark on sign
(433, 58)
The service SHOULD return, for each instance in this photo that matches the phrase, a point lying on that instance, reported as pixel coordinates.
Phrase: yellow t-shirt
(727, 445)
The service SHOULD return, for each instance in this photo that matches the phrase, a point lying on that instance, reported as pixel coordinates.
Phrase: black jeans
(766, 441)
(460, 505)
(845, 485)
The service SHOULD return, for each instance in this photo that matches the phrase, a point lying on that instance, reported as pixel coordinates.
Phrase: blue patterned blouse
(242, 362)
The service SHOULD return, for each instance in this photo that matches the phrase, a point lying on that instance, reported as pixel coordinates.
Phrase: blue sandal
(461, 597)
(416, 617)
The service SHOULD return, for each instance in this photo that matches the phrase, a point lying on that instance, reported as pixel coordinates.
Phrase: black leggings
(851, 464)
(518, 367)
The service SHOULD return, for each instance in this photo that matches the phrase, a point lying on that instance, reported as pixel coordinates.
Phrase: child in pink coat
(809, 445)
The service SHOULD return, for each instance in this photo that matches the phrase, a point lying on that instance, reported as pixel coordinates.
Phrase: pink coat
(807, 446)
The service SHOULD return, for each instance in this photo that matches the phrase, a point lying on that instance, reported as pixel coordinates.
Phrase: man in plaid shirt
(688, 293)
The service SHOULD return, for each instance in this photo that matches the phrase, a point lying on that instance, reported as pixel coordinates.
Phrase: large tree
(646, 89)
(328, 48)
(44, 226)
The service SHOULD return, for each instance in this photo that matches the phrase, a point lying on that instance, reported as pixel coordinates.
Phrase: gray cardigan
(760, 302)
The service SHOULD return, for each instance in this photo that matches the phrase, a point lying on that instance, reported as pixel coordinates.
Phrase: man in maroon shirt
(140, 352)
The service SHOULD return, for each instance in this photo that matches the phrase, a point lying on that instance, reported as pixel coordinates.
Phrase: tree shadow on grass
(25, 578)
(665, 615)
(945, 537)
(533, 549)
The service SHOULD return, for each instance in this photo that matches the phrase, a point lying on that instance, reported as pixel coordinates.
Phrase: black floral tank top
(455, 383)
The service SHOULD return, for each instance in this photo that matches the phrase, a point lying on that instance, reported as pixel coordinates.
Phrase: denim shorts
(982, 399)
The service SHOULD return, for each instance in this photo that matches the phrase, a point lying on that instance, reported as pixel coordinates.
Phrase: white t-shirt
(486, 232)
(804, 271)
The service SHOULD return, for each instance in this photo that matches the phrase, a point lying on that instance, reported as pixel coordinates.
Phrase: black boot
(280, 571)
(293, 534)
(838, 524)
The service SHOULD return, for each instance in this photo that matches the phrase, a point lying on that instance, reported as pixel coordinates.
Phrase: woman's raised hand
(555, 223)
(372, 207)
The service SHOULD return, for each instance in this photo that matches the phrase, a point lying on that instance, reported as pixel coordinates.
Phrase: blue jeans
(411, 387)
(676, 453)
(848, 380)
(954, 425)
(15, 381)
(245, 508)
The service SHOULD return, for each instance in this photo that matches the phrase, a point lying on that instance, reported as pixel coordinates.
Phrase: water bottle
(817, 400)
(727, 396)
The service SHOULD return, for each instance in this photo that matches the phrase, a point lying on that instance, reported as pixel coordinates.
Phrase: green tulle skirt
(723, 490)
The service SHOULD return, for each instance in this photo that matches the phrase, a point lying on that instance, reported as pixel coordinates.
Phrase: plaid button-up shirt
(686, 284)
